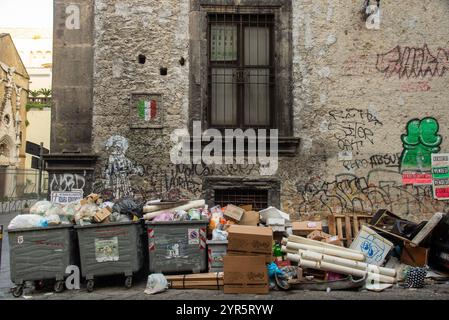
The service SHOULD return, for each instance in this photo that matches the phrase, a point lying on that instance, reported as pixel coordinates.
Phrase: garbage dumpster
(1, 239)
(41, 254)
(110, 249)
(177, 246)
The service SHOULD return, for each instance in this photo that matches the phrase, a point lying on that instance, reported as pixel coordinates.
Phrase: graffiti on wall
(413, 62)
(420, 141)
(67, 181)
(119, 168)
(385, 160)
(353, 128)
(380, 189)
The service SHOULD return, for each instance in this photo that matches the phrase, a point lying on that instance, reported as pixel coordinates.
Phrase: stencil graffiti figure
(120, 168)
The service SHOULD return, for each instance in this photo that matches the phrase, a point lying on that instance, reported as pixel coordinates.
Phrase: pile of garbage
(90, 210)
(381, 252)
(156, 210)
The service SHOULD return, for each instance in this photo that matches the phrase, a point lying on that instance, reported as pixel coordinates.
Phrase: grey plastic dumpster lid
(176, 222)
(62, 226)
(106, 225)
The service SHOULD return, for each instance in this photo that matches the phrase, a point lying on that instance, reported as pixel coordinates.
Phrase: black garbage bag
(130, 207)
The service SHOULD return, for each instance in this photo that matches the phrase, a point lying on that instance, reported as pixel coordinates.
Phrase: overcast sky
(26, 13)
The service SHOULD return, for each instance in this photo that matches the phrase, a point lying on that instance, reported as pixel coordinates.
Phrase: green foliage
(27, 123)
(36, 105)
(45, 92)
(35, 93)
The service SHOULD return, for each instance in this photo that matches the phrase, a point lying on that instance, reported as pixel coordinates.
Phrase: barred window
(241, 70)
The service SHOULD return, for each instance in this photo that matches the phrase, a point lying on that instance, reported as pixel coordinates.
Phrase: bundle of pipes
(190, 205)
(326, 257)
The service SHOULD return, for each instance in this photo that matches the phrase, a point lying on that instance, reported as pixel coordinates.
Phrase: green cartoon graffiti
(422, 139)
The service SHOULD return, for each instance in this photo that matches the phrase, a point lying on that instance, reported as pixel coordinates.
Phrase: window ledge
(287, 146)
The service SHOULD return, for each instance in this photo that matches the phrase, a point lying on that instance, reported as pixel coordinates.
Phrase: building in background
(14, 87)
(35, 47)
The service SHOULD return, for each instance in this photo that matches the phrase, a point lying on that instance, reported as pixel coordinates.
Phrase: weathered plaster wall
(352, 92)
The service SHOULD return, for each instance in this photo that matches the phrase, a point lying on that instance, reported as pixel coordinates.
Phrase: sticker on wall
(20, 239)
(146, 111)
(106, 250)
(440, 176)
(193, 236)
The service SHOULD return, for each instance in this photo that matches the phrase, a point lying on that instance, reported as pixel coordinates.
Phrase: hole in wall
(142, 59)
(163, 71)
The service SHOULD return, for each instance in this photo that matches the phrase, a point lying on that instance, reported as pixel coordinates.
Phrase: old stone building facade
(14, 83)
(359, 109)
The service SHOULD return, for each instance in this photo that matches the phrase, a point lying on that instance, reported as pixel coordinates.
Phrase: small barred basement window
(257, 198)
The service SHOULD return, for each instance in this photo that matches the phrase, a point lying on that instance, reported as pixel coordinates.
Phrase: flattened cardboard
(250, 239)
(248, 207)
(234, 212)
(245, 274)
(414, 256)
(318, 235)
(303, 228)
(250, 218)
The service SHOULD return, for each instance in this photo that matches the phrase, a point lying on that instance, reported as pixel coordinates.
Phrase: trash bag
(156, 283)
(165, 216)
(28, 221)
(53, 220)
(129, 207)
(219, 235)
(194, 214)
(54, 209)
(40, 207)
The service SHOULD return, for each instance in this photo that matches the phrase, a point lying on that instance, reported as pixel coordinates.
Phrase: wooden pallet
(347, 226)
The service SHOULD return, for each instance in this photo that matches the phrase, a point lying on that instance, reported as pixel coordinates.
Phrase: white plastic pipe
(191, 205)
(326, 266)
(329, 251)
(309, 255)
(297, 239)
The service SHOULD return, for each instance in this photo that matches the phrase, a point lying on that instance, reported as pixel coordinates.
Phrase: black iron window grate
(241, 70)
(257, 198)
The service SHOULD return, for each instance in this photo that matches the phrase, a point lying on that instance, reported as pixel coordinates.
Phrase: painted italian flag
(147, 109)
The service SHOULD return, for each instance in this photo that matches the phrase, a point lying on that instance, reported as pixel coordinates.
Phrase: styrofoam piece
(272, 212)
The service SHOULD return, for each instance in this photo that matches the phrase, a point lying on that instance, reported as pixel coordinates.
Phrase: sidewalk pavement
(112, 288)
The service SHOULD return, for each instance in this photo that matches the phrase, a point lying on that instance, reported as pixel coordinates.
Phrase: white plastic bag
(53, 220)
(23, 221)
(219, 235)
(156, 283)
(40, 207)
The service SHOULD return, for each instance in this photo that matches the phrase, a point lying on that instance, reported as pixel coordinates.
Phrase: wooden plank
(340, 229)
(348, 230)
(356, 224)
(331, 224)
(430, 225)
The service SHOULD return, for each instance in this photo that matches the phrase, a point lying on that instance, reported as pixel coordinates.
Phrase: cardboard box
(250, 218)
(249, 239)
(248, 207)
(268, 258)
(304, 228)
(375, 247)
(101, 215)
(318, 235)
(234, 212)
(335, 240)
(245, 274)
(414, 256)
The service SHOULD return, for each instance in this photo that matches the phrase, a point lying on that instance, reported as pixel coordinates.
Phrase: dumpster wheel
(129, 282)
(59, 286)
(17, 291)
(90, 285)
